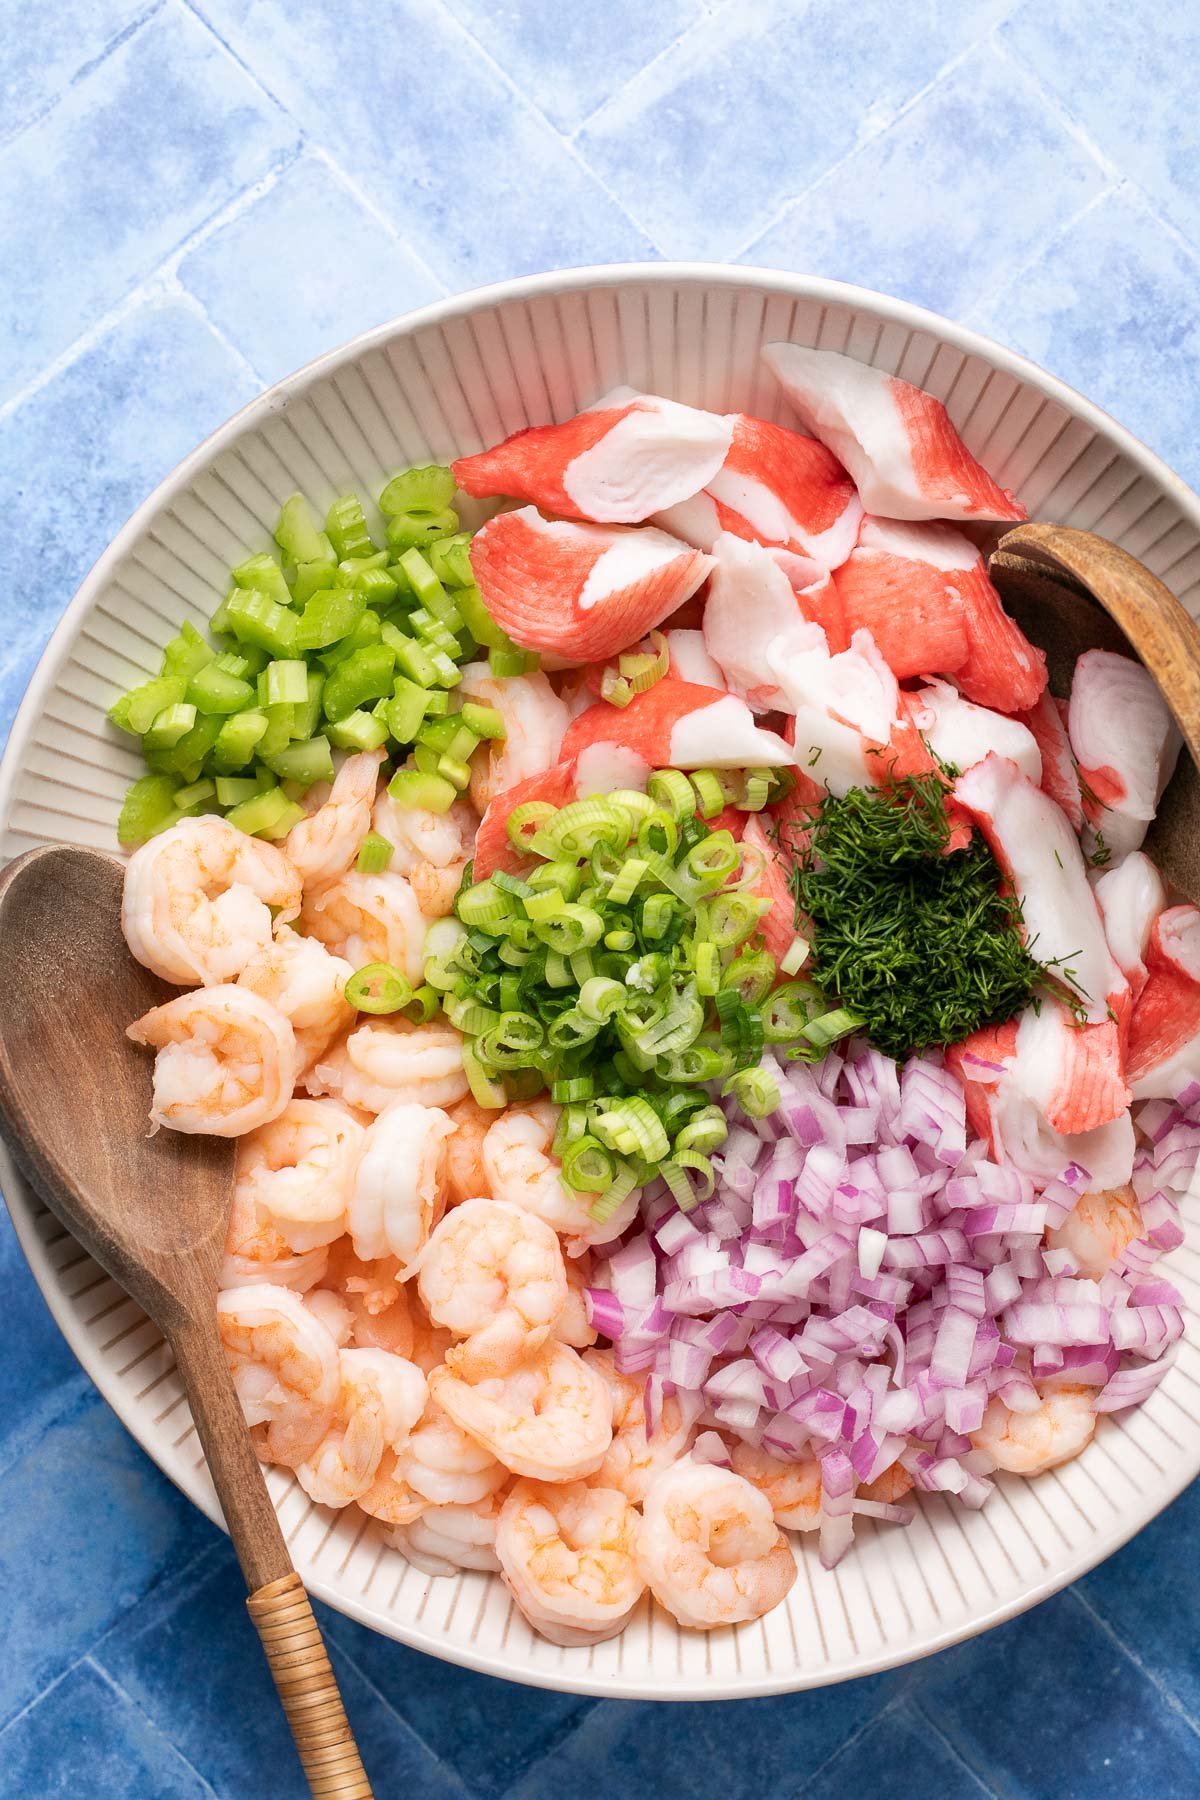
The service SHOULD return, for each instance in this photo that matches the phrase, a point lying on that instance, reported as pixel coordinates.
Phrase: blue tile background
(196, 196)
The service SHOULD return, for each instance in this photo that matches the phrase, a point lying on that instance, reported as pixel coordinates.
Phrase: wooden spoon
(152, 1211)
(1072, 591)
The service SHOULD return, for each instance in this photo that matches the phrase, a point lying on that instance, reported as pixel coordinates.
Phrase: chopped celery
(412, 788)
(281, 728)
(484, 721)
(351, 569)
(426, 489)
(213, 690)
(298, 536)
(268, 815)
(171, 724)
(368, 630)
(186, 653)
(452, 770)
(406, 710)
(360, 731)
(219, 623)
(450, 736)
(450, 560)
(238, 739)
(308, 711)
(198, 794)
(245, 662)
(254, 618)
(377, 587)
(479, 621)
(314, 577)
(137, 710)
(365, 675)
(513, 662)
(148, 808)
(435, 631)
(424, 583)
(328, 617)
(262, 575)
(437, 703)
(187, 756)
(374, 854)
(346, 525)
(414, 661)
(233, 789)
(417, 530)
(302, 762)
(446, 671)
(284, 683)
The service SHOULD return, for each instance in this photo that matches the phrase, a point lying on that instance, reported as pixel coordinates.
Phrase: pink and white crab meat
(846, 705)
(898, 443)
(775, 487)
(680, 725)
(1125, 742)
(959, 732)
(1060, 778)
(579, 593)
(1164, 1033)
(1131, 896)
(627, 457)
(750, 603)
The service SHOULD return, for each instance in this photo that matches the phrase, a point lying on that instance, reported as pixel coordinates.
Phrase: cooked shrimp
(226, 1061)
(387, 1061)
(323, 846)
(378, 1301)
(889, 1487)
(299, 1171)
(535, 720)
(197, 899)
(1099, 1230)
(399, 1188)
(444, 1539)
(465, 1176)
(518, 1168)
(1031, 1443)
(445, 1466)
(568, 1557)
(793, 1488)
(300, 977)
(709, 1548)
(284, 1364)
(369, 918)
(389, 1497)
(255, 1252)
(429, 849)
(550, 1419)
(633, 1461)
(430, 1342)
(333, 1313)
(494, 1276)
(572, 1325)
(380, 1398)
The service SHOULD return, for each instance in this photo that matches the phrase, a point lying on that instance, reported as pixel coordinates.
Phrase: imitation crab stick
(750, 603)
(1164, 1032)
(580, 592)
(778, 927)
(1131, 896)
(680, 725)
(775, 487)
(627, 457)
(1040, 855)
(905, 456)
(1060, 777)
(924, 594)
(959, 732)
(846, 705)
(690, 659)
(1125, 742)
(1072, 1073)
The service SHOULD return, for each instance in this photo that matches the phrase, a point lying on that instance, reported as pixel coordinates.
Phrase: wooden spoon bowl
(1072, 591)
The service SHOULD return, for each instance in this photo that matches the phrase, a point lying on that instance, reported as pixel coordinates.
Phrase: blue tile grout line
(197, 196)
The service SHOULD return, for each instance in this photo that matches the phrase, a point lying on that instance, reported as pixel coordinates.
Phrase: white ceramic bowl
(445, 381)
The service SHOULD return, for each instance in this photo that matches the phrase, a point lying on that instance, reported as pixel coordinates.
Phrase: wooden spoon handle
(280, 1608)
(1164, 635)
(291, 1637)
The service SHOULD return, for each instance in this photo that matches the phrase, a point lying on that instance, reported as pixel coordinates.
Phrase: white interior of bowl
(450, 380)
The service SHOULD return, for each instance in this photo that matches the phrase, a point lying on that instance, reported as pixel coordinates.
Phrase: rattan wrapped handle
(295, 1650)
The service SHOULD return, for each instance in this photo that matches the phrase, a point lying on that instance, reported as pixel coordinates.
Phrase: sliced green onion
(615, 1194)
(690, 1177)
(486, 1091)
(706, 1130)
(600, 997)
(425, 1005)
(671, 790)
(484, 905)
(755, 1090)
(379, 988)
(757, 790)
(828, 1027)
(750, 975)
(587, 1166)
(788, 1011)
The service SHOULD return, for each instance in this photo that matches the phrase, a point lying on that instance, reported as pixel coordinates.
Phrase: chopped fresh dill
(922, 943)
(1101, 856)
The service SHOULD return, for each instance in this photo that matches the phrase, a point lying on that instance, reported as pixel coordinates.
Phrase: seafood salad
(709, 1055)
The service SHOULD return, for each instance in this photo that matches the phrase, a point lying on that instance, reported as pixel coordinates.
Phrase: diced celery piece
(298, 536)
(232, 790)
(377, 587)
(328, 617)
(267, 815)
(212, 690)
(446, 671)
(245, 662)
(284, 683)
(366, 675)
(137, 710)
(281, 721)
(454, 771)
(413, 660)
(263, 575)
(307, 712)
(374, 854)
(406, 709)
(352, 568)
(187, 757)
(264, 778)
(433, 631)
(256, 619)
(426, 489)
(303, 762)
(148, 808)
(186, 653)
(424, 583)
(484, 721)
(413, 530)
(220, 623)
(238, 739)
(431, 793)
(450, 560)
(479, 621)
(513, 662)
(171, 724)
(313, 577)
(437, 703)
(361, 731)
(198, 795)
(368, 630)
(426, 758)
(346, 525)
